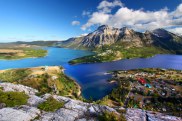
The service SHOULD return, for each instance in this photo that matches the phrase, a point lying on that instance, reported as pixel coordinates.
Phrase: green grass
(50, 105)
(14, 75)
(35, 52)
(111, 116)
(69, 86)
(64, 85)
(12, 99)
(40, 83)
(143, 52)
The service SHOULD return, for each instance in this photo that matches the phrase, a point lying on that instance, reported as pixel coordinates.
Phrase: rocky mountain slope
(106, 35)
(72, 110)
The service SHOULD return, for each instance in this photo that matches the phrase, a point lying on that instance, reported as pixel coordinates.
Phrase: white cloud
(178, 11)
(106, 6)
(84, 34)
(96, 18)
(86, 13)
(136, 19)
(176, 30)
(75, 23)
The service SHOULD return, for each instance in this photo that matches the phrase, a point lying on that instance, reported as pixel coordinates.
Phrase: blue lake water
(92, 77)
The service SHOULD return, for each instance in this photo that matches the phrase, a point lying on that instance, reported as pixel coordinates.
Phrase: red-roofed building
(142, 81)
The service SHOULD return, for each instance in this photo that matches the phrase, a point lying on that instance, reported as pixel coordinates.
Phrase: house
(148, 85)
(142, 81)
(54, 77)
(46, 68)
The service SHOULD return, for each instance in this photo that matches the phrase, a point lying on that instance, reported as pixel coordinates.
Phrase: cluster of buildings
(152, 82)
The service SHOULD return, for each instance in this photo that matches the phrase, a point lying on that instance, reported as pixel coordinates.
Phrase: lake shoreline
(91, 76)
(53, 77)
(79, 92)
(22, 53)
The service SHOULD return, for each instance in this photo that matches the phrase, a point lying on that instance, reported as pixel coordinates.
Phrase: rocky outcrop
(23, 113)
(104, 35)
(18, 88)
(142, 115)
(73, 110)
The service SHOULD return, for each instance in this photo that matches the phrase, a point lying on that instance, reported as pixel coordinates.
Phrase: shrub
(12, 99)
(1, 88)
(50, 105)
(111, 116)
(14, 75)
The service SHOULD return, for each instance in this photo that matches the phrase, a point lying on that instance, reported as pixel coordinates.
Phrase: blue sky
(27, 20)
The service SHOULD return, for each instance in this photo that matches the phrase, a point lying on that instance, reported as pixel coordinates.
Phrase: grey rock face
(35, 100)
(73, 110)
(106, 35)
(18, 88)
(135, 115)
(142, 115)
(60, 115)
(25, 113)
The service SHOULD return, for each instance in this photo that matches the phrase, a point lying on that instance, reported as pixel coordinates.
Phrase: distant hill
(39, 43)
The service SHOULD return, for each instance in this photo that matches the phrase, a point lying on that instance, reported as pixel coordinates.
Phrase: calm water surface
(92, 77)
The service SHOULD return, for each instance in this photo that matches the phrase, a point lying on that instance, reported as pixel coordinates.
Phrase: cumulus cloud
(136, 19)
(75, 23)
(139, 19)
(177, 30)
(106, 6)
(96, 18)
(178, 11)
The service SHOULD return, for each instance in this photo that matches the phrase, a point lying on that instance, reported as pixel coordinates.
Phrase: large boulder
(142, 115)
(35, 100)
(18, 88)
(25, 113)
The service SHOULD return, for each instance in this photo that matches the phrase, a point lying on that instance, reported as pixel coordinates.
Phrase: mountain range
(106, 35)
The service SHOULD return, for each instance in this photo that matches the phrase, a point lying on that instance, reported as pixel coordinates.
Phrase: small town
(151, 89)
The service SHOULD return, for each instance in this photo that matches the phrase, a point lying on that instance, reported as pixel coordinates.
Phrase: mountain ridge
(106, 35)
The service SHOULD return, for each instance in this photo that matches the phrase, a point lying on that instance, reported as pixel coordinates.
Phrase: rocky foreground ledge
(73, 110)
